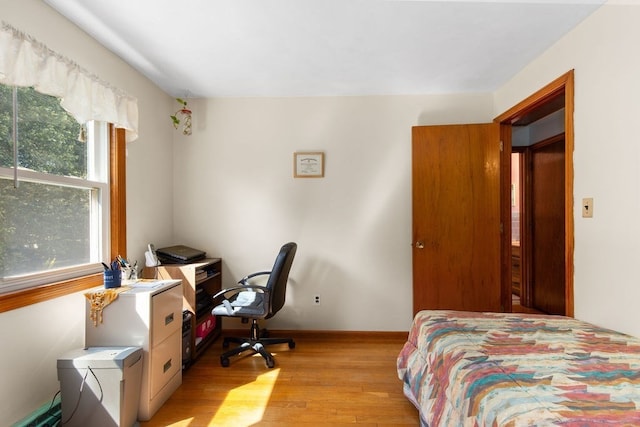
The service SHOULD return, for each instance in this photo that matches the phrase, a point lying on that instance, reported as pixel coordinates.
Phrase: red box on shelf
(205, 328)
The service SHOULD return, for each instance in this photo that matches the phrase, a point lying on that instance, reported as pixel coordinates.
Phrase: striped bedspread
(501, 369)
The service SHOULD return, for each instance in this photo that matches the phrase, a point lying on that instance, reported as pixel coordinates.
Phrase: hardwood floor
(329, 379)
(517, 308)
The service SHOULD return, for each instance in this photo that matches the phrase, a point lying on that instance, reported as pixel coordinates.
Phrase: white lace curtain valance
(28, 63)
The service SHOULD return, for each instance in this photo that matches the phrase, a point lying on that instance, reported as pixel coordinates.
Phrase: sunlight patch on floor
(247, 403)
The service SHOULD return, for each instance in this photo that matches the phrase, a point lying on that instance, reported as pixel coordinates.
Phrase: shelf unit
(200, 281)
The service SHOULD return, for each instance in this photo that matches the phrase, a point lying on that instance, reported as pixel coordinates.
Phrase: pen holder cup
(129, 273)
(112, 278)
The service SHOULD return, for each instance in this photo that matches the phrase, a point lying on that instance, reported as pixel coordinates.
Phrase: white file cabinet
(150, 317)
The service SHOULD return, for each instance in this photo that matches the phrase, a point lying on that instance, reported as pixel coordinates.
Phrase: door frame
(563, 86)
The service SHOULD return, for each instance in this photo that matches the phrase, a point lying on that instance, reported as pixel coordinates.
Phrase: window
(54, 192)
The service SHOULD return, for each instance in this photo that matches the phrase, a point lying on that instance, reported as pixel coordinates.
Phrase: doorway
(527, 260)
(519, 296)
(462, 211)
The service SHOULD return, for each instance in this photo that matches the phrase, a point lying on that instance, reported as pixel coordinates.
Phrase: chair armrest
(237, 289)
(252, 275)
(244, 285)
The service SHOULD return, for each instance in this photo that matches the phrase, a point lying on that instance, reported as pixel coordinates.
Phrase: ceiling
(274, 48)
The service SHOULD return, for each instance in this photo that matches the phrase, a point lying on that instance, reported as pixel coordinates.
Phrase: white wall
(544, 128)
(235, 197)
(32, 338)
(603, 52)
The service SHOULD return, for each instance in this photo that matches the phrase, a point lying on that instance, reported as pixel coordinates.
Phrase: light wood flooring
(329, 379)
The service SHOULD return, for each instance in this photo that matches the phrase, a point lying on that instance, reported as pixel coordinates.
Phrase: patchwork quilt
(510, 369)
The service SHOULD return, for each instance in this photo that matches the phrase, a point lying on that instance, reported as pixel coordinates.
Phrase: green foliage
(41, 226)
(174, 118)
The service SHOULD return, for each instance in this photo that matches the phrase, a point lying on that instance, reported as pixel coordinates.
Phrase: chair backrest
(277, 282)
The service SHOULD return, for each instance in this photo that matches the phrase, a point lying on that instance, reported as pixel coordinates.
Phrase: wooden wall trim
(11, 301)
(118, 198)
(538, 98)
(569, 90)
(352, 335)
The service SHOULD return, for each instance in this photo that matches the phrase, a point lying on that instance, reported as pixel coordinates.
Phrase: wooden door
(456, 217)
(548, 225)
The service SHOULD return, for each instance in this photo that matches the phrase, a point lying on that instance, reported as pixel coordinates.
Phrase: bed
(502, 369)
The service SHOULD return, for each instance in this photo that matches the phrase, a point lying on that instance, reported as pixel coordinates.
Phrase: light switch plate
(587, 207)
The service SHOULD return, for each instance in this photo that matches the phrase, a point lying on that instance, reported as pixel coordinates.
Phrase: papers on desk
(145, 283)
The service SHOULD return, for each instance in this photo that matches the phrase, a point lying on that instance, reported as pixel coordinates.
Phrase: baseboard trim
(324, 333)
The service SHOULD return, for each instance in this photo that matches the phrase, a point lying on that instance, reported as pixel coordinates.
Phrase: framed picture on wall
(308, 164)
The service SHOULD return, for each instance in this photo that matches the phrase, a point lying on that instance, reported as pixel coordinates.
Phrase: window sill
(14, 300)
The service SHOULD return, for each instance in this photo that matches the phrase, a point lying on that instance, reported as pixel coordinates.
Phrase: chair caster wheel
(270, 363)
(224, 361)
(225, 344)
(292, 344)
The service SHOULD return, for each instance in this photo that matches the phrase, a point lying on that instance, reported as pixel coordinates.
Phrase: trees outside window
(54, 207)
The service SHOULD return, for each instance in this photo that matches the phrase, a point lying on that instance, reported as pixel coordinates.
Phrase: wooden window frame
(118, 235)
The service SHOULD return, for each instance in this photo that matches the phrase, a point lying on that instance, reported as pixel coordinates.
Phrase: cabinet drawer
(166, 314)
(166, 361)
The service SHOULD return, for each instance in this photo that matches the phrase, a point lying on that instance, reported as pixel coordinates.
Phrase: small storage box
(206, 326)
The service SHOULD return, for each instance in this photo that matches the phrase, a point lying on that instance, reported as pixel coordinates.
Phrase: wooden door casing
(456, 178)
(563, 86)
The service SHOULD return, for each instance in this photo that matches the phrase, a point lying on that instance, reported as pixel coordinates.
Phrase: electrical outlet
(316, 299)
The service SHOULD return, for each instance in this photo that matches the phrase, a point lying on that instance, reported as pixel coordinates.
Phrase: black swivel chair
(254, 302)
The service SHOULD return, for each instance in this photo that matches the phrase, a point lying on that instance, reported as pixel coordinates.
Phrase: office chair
(250, 301)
